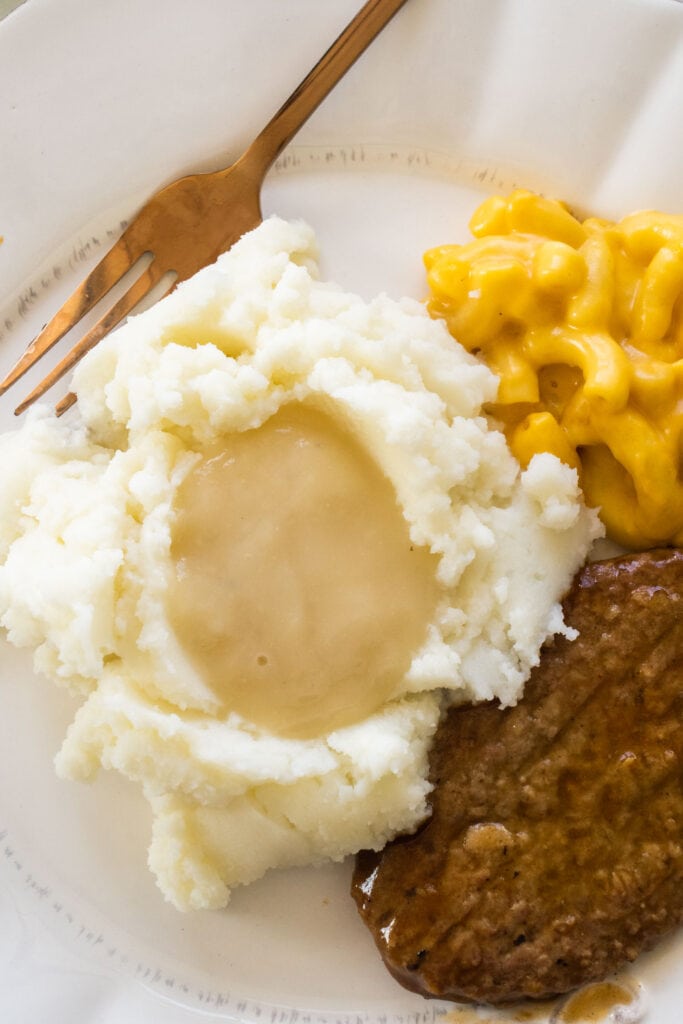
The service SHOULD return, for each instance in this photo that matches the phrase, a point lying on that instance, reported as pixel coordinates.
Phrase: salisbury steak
(554, 851)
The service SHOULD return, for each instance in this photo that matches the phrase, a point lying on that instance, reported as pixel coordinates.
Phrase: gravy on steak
(554, 852)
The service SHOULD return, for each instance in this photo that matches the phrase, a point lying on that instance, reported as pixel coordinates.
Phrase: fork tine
(111, 268)
(126, 303)
(65, 403)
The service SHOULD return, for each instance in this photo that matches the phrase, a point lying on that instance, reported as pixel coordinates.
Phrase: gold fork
(190, 222)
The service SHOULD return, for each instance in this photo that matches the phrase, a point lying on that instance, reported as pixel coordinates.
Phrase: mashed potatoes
(86, 525)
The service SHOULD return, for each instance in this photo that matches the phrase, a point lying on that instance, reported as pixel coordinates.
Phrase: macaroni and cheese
(583, 323)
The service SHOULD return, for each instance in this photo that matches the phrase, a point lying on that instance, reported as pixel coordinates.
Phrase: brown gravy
(594, 1003)
(590, 1005)
(298, 593)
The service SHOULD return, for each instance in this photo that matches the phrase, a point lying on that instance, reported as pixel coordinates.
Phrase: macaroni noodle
(583, 323)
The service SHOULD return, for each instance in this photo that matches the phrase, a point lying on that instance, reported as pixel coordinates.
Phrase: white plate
(101, 103)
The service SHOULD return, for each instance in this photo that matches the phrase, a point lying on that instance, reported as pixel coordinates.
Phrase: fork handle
(296, 110)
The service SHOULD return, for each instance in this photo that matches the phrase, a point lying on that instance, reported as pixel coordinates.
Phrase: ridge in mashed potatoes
(86, 524)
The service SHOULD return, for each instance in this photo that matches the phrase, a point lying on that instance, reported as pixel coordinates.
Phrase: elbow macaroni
(583, 323)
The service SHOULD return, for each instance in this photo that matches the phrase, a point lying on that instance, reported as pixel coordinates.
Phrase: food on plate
(583, 322)
(260, 405)
(553, 854)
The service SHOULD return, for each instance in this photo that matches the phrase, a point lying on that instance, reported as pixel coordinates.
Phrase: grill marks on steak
(554, 851)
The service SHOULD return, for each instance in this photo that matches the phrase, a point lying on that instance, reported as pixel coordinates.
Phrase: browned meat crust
(554, 851)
